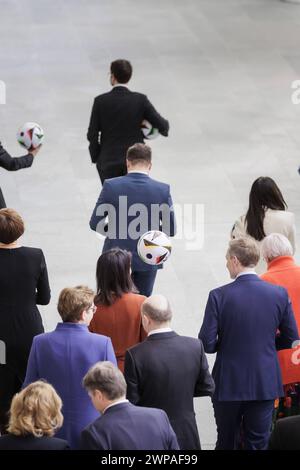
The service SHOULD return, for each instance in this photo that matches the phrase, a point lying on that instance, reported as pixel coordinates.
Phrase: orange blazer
(122, 322)
(283, 271)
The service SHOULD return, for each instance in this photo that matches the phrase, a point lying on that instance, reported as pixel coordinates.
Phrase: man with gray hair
(241, 325)
(122, 425)
(167, 371)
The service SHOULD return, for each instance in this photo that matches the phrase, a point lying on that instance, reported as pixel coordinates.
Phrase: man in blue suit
(64, 356)
(244, 323)
(133, 205)
(122, 426)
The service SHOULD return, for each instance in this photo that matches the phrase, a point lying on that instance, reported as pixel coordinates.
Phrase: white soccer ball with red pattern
(30, 136)
(154, 247)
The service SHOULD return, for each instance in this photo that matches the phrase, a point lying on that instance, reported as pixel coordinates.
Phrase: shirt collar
(160, 330)
(138, 171)
(120, 84)
(247, 271)
(123, 400)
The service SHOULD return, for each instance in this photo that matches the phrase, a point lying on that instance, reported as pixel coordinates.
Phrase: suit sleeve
(155, 118)
(168, 220)
(89, 442)
(14, 163)
(103, 210)
(93, 132)
(288, 331)
(43, 292)
(110, 354)
(32, 372)
(209, 330)
(205, 385)
(172, 443)
(131, 378)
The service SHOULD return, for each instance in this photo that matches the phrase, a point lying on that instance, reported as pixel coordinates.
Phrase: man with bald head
(167, 371)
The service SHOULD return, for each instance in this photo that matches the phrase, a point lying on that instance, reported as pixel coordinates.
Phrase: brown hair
(139, 153)
(11, 226)
(246, 251)
(36, 410)
(122, 70)
(107, 378)
(72, 301)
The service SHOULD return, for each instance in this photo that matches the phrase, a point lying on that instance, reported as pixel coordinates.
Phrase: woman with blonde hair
(35, 416)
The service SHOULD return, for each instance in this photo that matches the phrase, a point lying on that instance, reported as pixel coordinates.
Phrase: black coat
(167, 371)
(12, 164)
(12, 442)
(117, 116)
(286, 434)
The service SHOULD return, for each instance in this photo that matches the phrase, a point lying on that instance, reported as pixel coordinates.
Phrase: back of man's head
(157, 308)
(246, 250)
(121, 69)
(107, 378)
(139, 155)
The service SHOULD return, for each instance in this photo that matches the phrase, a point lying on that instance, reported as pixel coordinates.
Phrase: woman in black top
(23, 284)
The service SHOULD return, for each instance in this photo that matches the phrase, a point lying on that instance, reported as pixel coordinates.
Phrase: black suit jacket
(12, 442)
(117, 116)
(166, 371)
(12, 164)
(286, 434)
(128, 427)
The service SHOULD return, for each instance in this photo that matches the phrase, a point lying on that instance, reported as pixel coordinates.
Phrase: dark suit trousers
(144, 281)
(2, 200)
(111, 172)
(243, 422)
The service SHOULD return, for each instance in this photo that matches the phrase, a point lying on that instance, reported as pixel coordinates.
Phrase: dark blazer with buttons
(117, 116)
(12, 164)
(128, 427)
(167, 371)
(12, 442)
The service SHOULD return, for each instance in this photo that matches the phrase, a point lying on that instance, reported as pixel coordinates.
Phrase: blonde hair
(36, 410)
(246, 250)
(73, 301)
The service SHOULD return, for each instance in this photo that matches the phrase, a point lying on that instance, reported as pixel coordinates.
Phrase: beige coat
(275, 221)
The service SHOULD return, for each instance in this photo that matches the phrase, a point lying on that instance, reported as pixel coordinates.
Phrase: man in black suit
(167, 371)
(122, 426)
(117, 116)
(13, 164)
(286, 434)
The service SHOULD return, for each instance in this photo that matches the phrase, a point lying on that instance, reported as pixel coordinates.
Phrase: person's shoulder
(56, 443)
(102, 96)
(32, 251)
(159, 184)
(133, 298)
(284, 216)
(97, 338)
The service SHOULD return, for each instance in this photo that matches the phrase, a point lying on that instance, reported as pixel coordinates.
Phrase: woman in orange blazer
(283, 271)
(118, 313)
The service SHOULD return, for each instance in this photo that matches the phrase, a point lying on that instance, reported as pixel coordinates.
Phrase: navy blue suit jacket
(241, 325)
(122, 214)
(128, 427)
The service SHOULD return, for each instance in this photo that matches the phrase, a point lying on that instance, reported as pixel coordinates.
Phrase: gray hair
(107, 378)
(157, 308)
(275, 245)
(246, 250)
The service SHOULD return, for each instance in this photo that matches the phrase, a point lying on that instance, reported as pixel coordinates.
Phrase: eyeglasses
(93, 308)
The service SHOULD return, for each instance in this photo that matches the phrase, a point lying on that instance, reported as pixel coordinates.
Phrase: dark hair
(122, 70)
(139, 153)
(264, 194)
(113, 276)
(107, 378)
(11, 226)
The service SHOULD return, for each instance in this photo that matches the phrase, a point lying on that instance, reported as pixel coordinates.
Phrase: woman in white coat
(266, 214)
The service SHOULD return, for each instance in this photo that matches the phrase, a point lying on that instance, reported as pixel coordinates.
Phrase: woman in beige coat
(266, 214)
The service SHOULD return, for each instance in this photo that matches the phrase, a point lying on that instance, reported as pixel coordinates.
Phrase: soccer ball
(154, 247)
(149, 132)
(30, 136)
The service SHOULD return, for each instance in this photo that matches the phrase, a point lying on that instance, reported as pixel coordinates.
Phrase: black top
(167, 371)
(286, 434)
(12, 442)
(117, 116)
(23, 284)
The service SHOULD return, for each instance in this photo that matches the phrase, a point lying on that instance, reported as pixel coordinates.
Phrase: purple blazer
(63, 357)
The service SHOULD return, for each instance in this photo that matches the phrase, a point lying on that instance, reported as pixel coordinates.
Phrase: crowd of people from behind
(114, 375)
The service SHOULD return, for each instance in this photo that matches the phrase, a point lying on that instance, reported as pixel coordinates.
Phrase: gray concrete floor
(219, 70)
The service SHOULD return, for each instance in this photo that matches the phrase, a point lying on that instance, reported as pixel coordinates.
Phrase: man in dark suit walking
(13, 164)
(122, 425)
(244, 323)
(116, 120)
(167, 371)
(133, 205)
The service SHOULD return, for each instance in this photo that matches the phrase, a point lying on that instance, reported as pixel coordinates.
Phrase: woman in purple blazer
(64, 356)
